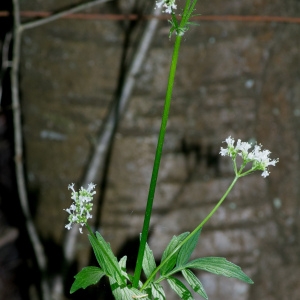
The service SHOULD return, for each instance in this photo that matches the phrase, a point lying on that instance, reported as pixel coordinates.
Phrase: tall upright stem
(158, 154)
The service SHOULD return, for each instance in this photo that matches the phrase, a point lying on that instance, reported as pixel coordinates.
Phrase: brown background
(234, 78)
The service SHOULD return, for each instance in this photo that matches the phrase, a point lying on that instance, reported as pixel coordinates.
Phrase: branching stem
(191, 234)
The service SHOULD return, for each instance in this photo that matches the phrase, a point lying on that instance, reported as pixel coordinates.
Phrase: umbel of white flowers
(168, 4)
(79, 211)
(259, 158)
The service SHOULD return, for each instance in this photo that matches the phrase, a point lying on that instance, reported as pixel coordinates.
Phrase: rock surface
(233, 78)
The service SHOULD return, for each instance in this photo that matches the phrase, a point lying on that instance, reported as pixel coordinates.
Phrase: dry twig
(5, 63)
(18, 137)
(96, 163)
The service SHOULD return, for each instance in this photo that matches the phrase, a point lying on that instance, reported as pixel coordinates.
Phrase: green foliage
(176, 259)
(184, 25)
(169, 265)
(122, 292)
(219, 266)
(106, 259)
(194, 282)
(187, 249)
(157, 292)
(149, 264)
(86, 277)
(180, 288)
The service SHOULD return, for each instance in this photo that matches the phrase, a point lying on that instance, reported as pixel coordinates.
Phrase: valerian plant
(246, 158)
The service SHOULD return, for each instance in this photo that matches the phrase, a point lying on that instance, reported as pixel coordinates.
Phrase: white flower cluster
(168, 4)
(81, 207)
(259, 158)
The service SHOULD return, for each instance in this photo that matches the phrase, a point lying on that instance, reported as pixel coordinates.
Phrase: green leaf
(122, 264)
(86, 277)
(194, 282)
(126, 293)
(187, 249)
(180, 288)
(174, 20)
(219, 266)
(175, 241)
(157, 292)
(148, 262)
(106, 258)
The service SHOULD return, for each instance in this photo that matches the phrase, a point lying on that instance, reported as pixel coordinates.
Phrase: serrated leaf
(219, 266)
(180, 289)
(194, 282)
(106, 259)
(187, 249)
(175, 241)
(157, 292)
(148, 262)
(86, 277)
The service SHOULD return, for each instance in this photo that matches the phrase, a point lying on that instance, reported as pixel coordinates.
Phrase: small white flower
(243, 147)
(230, 150)
(168, 4)
(265, 173)
(69, 226)
(71, 187)
(259, 158)
(224, 152)
(229, 141)
(79, 211)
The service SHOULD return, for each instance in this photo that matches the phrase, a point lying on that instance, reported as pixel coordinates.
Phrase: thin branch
(5, 63)
(61, 14)
(118, 17)
(96, 163)
(18, 137)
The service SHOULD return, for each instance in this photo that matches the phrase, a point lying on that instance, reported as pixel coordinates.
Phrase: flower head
(168, 4)
(79, 211)
(259, 158)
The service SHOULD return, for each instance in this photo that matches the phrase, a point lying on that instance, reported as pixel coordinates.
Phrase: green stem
(191, 234)
(90, 230)
(158, 154)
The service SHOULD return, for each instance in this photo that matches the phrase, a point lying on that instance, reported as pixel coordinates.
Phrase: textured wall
(234, 78)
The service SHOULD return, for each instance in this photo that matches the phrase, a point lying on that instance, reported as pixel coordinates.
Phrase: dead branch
(5, 63)
(18, 136)
(96, 163)
(61, 14)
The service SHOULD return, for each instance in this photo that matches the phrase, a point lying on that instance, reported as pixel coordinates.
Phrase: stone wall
(233, 78)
